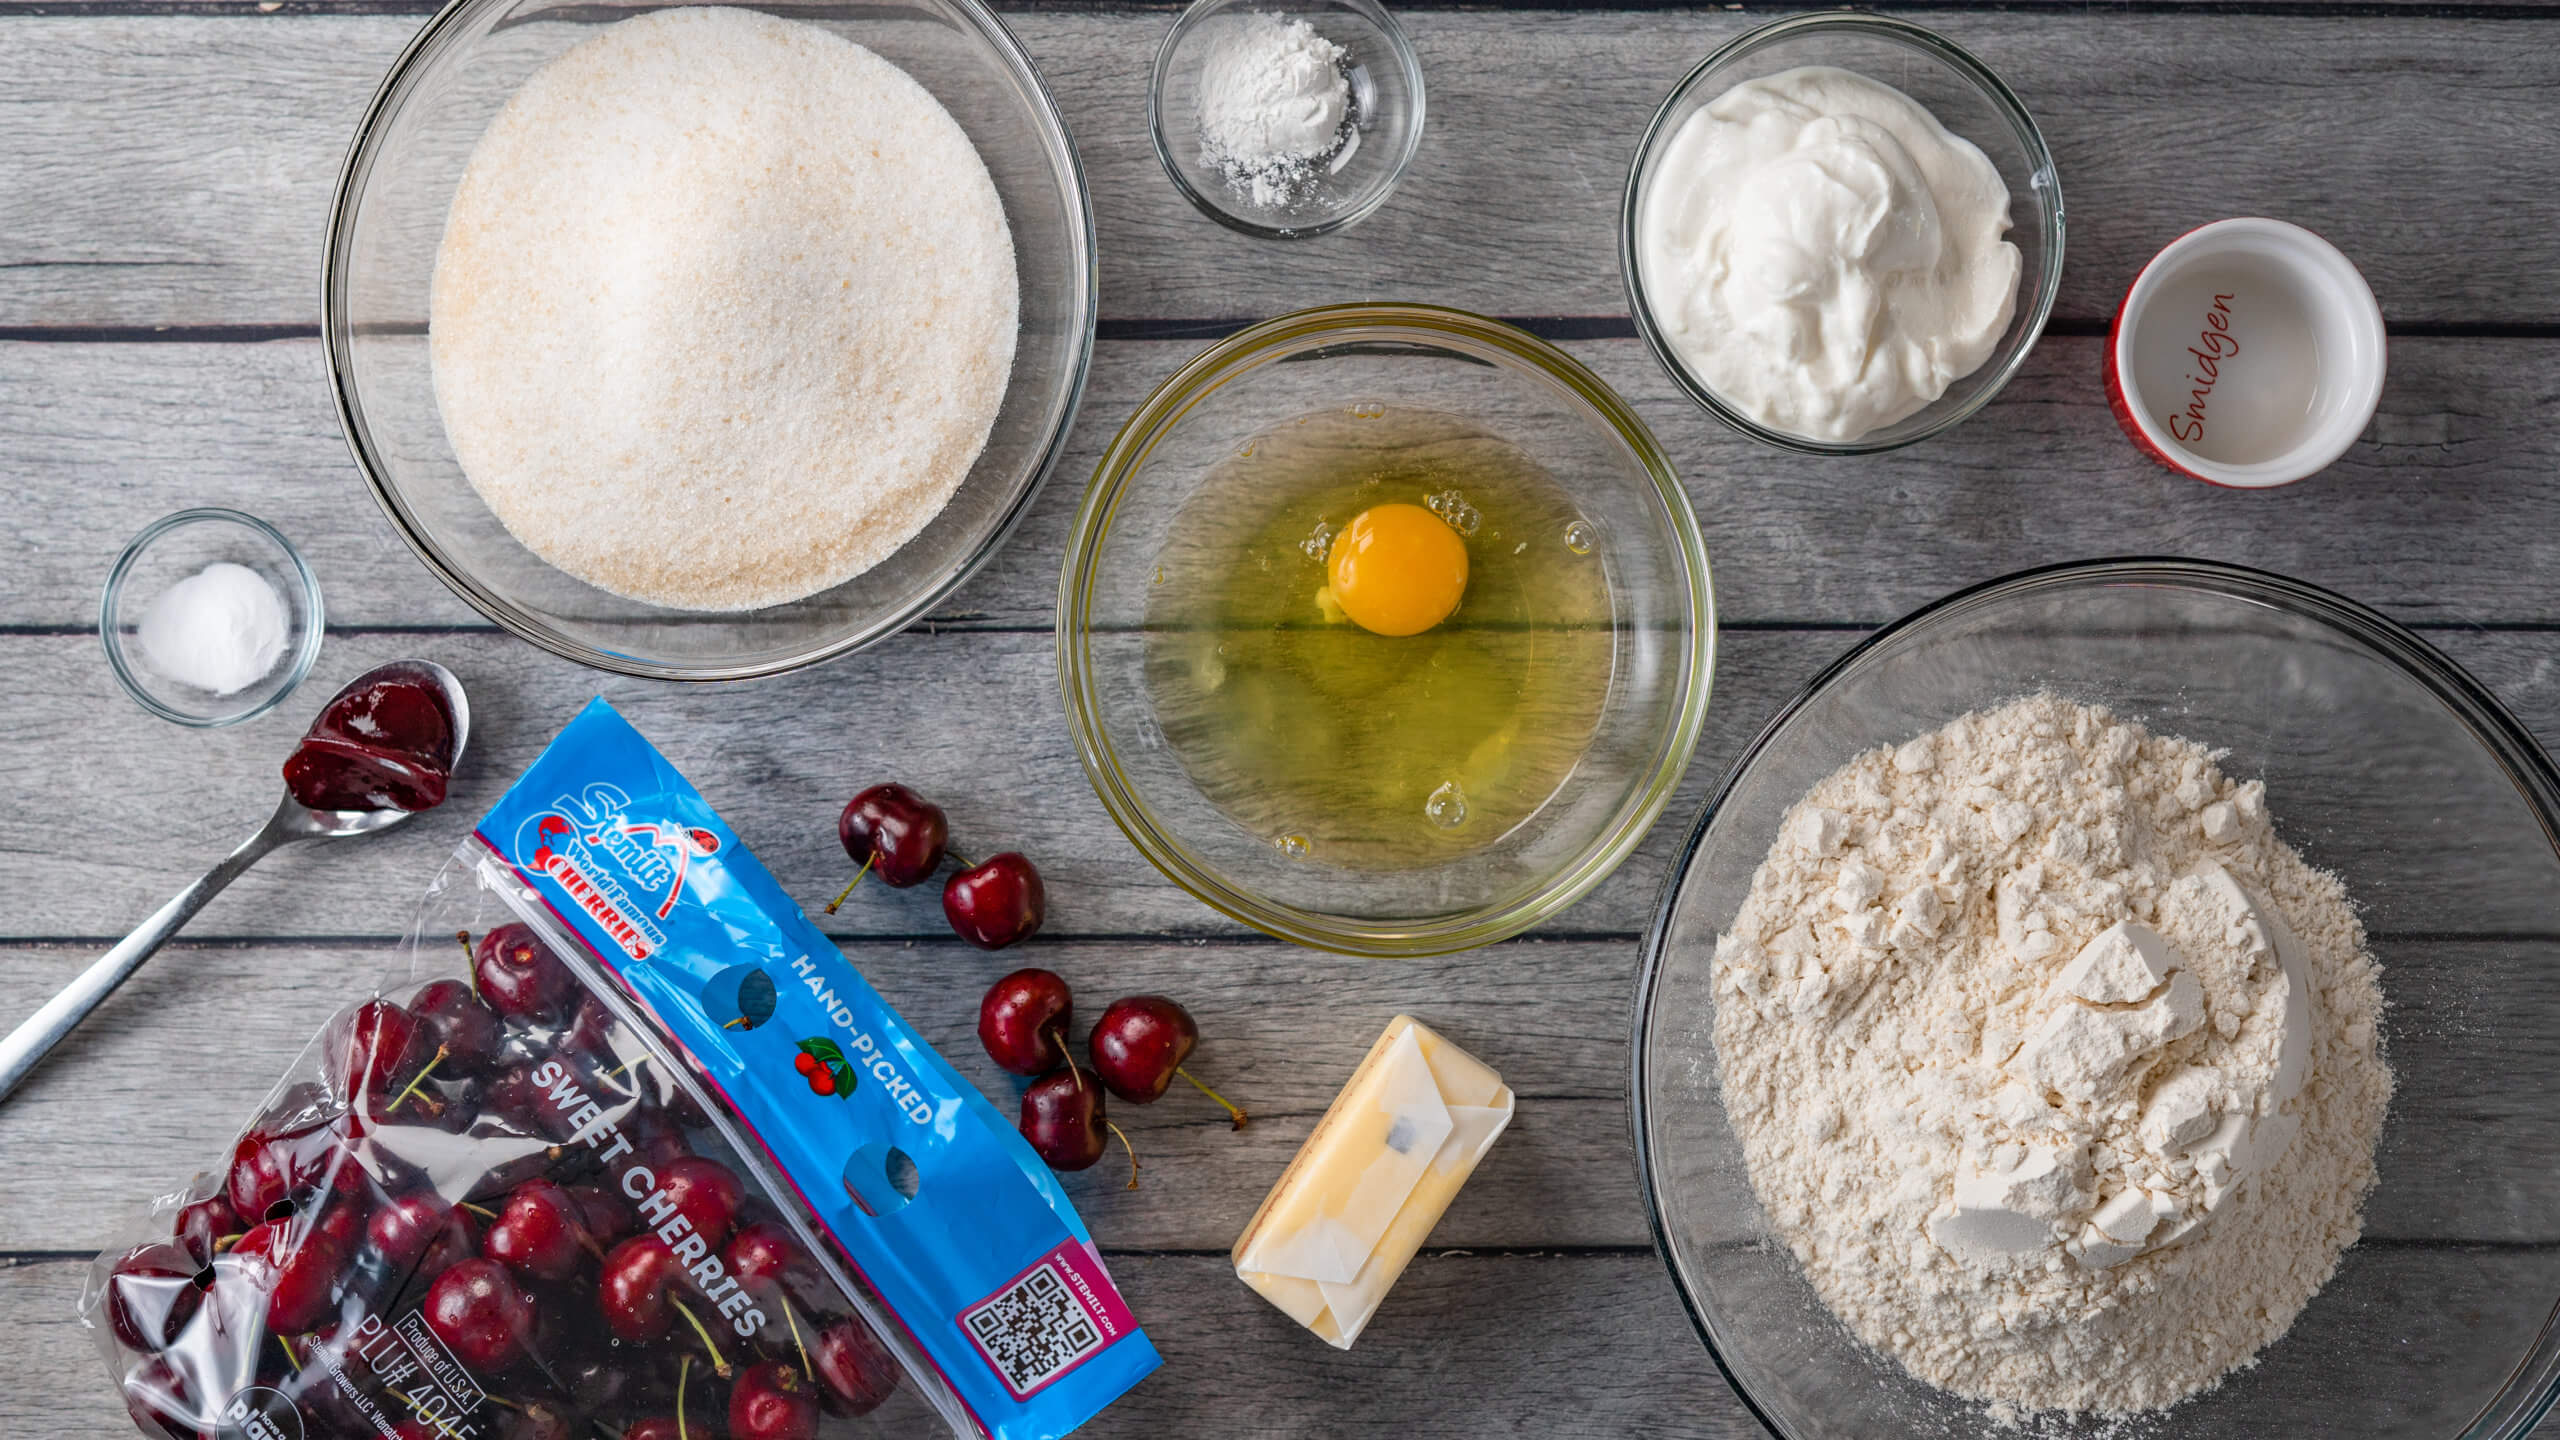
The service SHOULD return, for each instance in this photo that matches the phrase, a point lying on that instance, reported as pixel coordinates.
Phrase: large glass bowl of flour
(2384, 763)
(401, 177)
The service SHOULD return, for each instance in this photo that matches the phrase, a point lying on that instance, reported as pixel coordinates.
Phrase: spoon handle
(29, 1043)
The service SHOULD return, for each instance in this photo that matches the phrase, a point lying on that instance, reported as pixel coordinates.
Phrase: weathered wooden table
(164, 167)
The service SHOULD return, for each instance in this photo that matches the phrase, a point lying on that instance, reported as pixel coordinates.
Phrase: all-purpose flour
(2056, 1069)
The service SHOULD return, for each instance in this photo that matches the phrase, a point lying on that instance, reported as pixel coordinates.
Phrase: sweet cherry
(267, 1168)
(370, 1049)
(602, 1213)
(705, 1193)
(407, 1225)
(996, 902)
(151, 1295)
(477, 1308)
(631, 1290)
(1024, 1019)
(452, 1019)
(1139, 1045)
(857, 1371)
(201, 1226)
(892, 832)
(537, 1232)
(773, 1401)
(1063, 1118)
(519, 977)
(763, 1256)
(294, 1272)
(162, 1401)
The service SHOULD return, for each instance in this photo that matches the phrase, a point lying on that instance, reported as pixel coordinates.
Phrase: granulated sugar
(724, 311)
(2053, 1064)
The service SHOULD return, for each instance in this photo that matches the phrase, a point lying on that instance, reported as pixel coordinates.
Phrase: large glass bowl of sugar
(400, 177)
(2384, 762)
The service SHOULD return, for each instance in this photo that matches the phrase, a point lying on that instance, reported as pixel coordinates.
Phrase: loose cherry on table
(519, 977)
(856, 1371)
(996, 902)
(892, 832)
(1064, 1119)
(479, 1310)
(773, 1401)
(385, 746)
(1024, 1020)
(1138, 1046)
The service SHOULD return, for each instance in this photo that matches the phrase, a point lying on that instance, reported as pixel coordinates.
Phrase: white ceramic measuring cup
(2248, 353)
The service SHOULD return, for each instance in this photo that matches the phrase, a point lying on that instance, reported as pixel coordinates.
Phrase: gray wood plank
(1474, 1346)
(1282, 1029)
(779, 756)
(2437, 515)
(2471, 1153)
(153, 185)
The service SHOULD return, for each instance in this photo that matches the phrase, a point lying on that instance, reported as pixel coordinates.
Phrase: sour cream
(1824, 255)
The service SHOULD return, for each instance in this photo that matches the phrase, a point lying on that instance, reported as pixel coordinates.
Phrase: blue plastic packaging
(939, 1209)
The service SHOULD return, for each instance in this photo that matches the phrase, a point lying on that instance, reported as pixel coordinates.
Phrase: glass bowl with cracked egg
(2384, 763)
(1385, 629)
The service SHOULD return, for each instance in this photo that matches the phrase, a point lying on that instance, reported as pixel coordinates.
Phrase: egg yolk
(1398, 569)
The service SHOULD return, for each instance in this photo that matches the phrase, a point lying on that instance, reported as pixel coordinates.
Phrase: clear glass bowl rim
(1129, 449)
(337, 332)
(1407, 59)
(111, 595)
(2489, 721)
(1994, 89)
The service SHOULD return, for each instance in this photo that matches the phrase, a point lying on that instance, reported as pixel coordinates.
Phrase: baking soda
(1273, 99)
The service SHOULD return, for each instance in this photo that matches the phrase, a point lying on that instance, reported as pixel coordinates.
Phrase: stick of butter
(1366, 1188)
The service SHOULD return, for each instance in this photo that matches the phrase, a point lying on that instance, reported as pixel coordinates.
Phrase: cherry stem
(1073, 1069)
(684, 1372)
(793, 1321)
(960, 860)
(418, 1080)
(290, 1358)
(1133, 1153)
(470, 967)
(226, 1242)
(857, 879)
(734, 1024)
(627, 1064)
(482, 1211)
(1235, 1113)
(719, 1362)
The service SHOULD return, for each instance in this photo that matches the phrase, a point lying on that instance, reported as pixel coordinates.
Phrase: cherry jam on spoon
(382, 750)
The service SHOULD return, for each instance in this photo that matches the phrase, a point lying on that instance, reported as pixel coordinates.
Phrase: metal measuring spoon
(292, 823)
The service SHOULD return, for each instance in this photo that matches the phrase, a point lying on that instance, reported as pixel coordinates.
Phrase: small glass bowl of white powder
(1286, 122)
(210, 617)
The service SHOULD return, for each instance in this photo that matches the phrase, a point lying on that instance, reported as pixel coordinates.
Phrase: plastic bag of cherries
(630, 1152)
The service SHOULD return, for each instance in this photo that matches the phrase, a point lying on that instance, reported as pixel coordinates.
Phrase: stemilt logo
(626, 874)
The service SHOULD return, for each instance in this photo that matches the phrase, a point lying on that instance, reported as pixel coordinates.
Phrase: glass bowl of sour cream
(1841, 234)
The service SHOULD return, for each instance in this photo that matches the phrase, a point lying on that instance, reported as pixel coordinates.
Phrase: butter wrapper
(1379, 1171)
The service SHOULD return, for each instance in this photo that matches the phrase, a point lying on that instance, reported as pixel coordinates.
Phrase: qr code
(1033, 1330)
